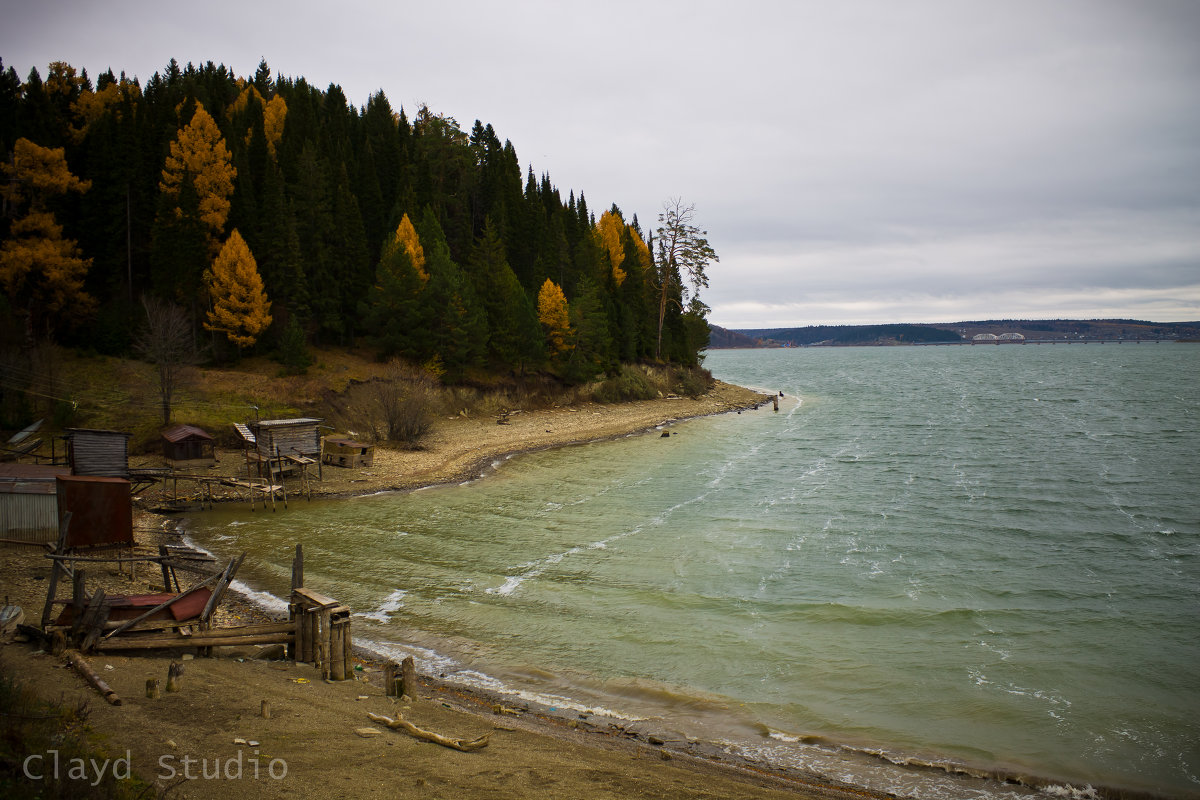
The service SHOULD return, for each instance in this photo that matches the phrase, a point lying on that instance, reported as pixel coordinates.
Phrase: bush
(404, 401)
(693, 381)
(626, 386)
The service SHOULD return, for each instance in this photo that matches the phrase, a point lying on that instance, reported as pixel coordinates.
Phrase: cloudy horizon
(853, 163)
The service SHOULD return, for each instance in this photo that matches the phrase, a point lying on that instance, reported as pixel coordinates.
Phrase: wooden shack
(287, 437)
(98, 453)
(347, 453)
(186, 446)
(287, 445)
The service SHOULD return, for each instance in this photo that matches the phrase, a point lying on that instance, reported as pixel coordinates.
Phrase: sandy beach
(210, 740)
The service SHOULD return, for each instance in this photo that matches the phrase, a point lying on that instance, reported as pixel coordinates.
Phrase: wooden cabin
(186, 446)
(98, 453)
(286, 445)
(347, 453)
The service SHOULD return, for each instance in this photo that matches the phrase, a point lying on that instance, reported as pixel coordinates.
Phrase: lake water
(984, 558)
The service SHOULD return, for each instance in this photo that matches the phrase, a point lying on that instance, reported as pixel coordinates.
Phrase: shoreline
(320, 730)
(463, 450)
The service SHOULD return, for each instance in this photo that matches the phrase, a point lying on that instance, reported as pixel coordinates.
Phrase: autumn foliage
(366, 224)
(198, 154)
(552, 313)
(240, 308)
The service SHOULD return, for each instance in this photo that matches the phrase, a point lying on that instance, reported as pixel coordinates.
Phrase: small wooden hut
(287, 445)
(347, 453)
(186, 446)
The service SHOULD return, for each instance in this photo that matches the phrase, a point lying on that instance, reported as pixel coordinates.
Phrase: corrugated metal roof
(32, 472)
(279, 423)
(177, 433)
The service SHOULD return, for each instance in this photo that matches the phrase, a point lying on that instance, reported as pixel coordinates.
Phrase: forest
(262, 214)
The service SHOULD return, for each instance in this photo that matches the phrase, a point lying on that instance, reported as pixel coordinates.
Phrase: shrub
(628, 385)
(693, 381)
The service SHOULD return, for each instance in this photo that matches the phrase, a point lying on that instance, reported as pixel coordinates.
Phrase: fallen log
(80, 664)
(213, 638)
(401, 723)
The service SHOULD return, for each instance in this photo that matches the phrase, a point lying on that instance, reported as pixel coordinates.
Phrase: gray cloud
(859, 161)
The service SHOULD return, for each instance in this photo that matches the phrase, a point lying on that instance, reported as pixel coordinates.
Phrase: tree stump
(174, 676)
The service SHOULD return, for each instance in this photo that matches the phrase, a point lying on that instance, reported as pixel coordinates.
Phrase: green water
(981, 557)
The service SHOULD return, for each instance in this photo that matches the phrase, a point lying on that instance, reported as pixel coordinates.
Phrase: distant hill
(897, 334)
(725, 339)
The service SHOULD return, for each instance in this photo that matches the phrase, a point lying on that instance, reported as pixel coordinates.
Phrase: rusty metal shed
(188, 446)
(101, 510)
(98, 452)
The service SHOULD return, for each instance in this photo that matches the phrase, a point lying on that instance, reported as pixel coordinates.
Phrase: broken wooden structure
(346, 453)
(322, 627)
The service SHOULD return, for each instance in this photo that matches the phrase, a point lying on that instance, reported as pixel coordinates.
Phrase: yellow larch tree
(274, 112)
(274, 116)
(42, 272)
(611, 230)
(199, 151)
(240, 308)
(406, 237)
(554, 316)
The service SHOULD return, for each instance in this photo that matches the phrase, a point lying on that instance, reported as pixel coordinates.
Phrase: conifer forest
(273, 214)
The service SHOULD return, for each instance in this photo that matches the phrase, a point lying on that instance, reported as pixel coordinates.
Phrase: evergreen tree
(240, 308)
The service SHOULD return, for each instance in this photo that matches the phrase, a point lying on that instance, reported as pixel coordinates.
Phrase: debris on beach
(400, 723)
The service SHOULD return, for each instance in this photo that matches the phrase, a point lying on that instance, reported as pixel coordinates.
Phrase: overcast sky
(853, 161)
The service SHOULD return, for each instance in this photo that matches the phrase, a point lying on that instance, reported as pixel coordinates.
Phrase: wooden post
(78, 596)
(337, 649)
(347, 647)
(166, 571)
(408, 678)
(391, 675)
(264, 710)
(152, 688)
(314, 637)
(298, 568)
(174, 676)
(323, 642)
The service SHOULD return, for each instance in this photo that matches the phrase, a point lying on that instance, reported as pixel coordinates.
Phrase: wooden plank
(215, 638)
(222, 585)
(319, 600)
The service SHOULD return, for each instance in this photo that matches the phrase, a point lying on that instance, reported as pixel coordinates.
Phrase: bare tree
(404, 399)
(683, 255)
(166, 341)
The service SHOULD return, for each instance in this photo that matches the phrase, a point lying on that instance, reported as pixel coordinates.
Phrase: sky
(852, 162)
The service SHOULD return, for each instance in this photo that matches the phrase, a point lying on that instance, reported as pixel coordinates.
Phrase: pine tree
(240, 308)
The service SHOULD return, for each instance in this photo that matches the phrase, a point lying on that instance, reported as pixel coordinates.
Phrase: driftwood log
(80, 664)
(400, 723)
